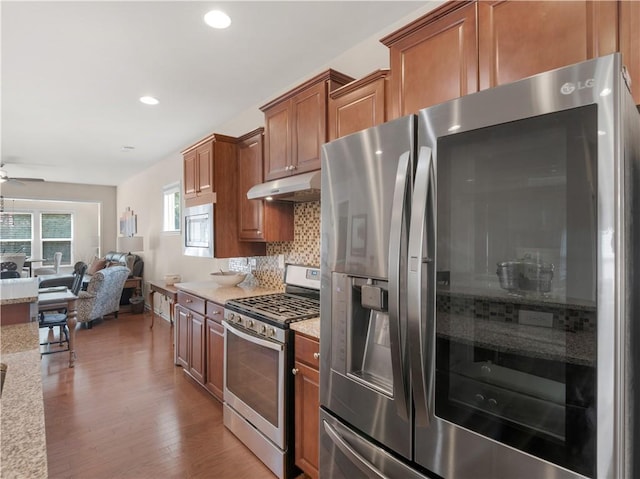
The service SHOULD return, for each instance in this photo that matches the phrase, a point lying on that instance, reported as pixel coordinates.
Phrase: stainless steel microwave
(198, 231)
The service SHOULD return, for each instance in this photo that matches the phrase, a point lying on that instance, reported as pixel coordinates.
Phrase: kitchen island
(23, 443)
(18, 300)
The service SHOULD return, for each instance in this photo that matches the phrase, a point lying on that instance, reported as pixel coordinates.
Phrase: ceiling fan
(4, 177)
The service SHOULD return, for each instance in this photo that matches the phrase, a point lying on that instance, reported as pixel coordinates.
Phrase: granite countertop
(22, 431)
(220, 294)
(554, 344)
(18, 290)
(308, 327)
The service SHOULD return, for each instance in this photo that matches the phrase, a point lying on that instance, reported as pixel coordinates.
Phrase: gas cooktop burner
(281, 307)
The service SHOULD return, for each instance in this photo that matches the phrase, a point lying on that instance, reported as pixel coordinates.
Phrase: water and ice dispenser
(360, 331)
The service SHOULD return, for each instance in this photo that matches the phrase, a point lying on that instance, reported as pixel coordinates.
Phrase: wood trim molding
(354, 85)
(326, 76)
(417, 24)
(211, 137)
(251, 134)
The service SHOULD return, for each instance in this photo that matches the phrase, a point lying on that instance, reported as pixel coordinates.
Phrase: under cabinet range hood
(299, 188)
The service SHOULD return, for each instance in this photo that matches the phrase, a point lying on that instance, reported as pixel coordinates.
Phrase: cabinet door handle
(294, 371)
(316, 355)
(188, 300)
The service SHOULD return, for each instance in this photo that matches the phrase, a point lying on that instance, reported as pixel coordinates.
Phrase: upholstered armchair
(102, 295)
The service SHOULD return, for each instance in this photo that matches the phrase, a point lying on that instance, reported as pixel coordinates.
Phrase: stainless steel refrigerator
(479, 296)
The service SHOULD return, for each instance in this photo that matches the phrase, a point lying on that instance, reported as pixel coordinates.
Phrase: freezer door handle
(419, 296)
(397, 242)
(360, 462)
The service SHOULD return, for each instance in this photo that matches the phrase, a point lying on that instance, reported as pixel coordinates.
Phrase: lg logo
(568, 88)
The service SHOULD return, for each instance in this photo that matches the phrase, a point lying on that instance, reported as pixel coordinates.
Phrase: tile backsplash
(304, 249)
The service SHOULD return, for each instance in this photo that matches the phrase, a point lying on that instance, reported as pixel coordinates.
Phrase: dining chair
(57, 259)
(51, 319)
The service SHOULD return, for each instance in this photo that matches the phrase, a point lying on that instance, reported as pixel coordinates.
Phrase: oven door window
(253, 375)
(516, 300)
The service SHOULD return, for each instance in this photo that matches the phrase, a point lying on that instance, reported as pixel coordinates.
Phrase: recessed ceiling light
(127, 148)
(217, 19)
(149, 100)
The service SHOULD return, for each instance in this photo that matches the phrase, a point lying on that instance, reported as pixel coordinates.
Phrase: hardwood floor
(125, 411)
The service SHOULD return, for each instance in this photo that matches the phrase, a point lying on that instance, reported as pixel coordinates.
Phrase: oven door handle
(253, 339)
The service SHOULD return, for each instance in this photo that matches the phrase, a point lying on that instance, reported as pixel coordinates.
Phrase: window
(171, 208)
(57, 236)
(16, 232)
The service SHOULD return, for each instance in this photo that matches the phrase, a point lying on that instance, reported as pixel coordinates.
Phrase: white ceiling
(72, 73)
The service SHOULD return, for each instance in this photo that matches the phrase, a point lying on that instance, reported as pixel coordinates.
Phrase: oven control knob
(239, 319)
(230, 317)
(251, 323)
(272, 331)
(263, 329)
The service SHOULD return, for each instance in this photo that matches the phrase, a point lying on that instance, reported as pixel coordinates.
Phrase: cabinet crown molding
(211, 137)
(356, 84)
(251, 134)
(429, 17)
(328, 75)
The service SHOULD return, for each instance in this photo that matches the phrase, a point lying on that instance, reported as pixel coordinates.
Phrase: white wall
(143, 192)
(105, 196)
(86, 225)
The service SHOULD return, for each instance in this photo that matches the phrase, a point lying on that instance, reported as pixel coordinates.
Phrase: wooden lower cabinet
(190, 342)
(307, 404)
(215, 351)
(196, 365)
(182, 336)
(200, 341)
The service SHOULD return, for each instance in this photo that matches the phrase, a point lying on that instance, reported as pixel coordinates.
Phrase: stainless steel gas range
(258, 389)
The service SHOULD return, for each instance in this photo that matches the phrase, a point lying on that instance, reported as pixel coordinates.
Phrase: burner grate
(281, 306)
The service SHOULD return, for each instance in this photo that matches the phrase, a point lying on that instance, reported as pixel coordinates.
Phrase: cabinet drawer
(194, 303)
(215, 311)
(307, 350)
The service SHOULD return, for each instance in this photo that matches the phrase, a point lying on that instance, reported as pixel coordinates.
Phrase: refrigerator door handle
(397, 237)
(421, 239)
(360, 462)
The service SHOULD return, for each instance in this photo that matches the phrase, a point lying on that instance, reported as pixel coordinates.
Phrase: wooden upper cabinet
(189, 164)
(358, 105)
(296, 126)
(278, 142)
(518, 39)
(198, 173)
(217, 181)
(259, 220)
(629, 35)
(309, 109)
(433, 59)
